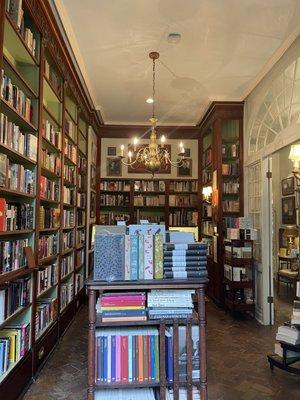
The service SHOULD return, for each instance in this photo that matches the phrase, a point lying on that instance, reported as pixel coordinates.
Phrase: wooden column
(202, 342)
(91, 344)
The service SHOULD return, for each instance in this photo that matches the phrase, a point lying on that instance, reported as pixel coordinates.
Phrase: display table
(285, 363)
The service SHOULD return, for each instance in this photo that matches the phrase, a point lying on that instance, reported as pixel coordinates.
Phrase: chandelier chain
(153, 90)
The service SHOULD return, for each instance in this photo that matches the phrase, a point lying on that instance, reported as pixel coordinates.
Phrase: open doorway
(285, 234)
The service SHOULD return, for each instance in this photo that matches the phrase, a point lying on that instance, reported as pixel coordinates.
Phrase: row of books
(47, 277)
(70, 150)
(68, 240)
(12, 255)
(234, 251)
(46, 313)
(49, 190)
(114, 200)
(14, 344)
(143, 393)
(231, 206)
(51, 133)
(118, 186)
(80, 237)
(185, 260)
(183, 200)
(128, 356)
(48, 245)
(81, 200)
(206, 210)
(66, 294)
(69, 195)
(230, 150)
(154, 218)
(131, 257)
(67, 265)
(15, 216)
(11, 136)
(53, 77)
(80, 217)
(207, 228)
(183, 218)
(112, 217)
(170, 304)
(51, 161)
(207, 157)
(16, 176)
(207, 177)
(149, 186)
(230, 169)
(15, 295)
(70, 173)
(16, 13)
(81, 181)
(79, 280)
(49, 217)
(183, 186)
(16, 98)
(80, 257)
(240, 295)
(68, 220)
(158, 200)
(82, 164)
(70, 128)
(231, 187)
(238, 222)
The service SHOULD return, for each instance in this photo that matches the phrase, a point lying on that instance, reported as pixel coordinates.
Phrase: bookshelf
(96, 288)
(44, 159)
(221, 184)
(173, 201)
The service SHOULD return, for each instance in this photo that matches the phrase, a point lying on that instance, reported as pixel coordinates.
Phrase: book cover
(148, 256)
(158, 256)
(113, 358)
(127, 258)
(147, 229)
(124, 358)
(109, 257)
(134, 256)
(118, 358)
(141, 258)
(185, 246)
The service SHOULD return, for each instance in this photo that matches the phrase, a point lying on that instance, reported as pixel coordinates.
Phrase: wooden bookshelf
(220, 172)
(95, 288)
(44, 74)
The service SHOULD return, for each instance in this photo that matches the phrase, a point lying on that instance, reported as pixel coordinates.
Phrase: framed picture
(112, 151)
(186, 168)
(288, 210)
(288, 186)
(113, 166)
(140, 169)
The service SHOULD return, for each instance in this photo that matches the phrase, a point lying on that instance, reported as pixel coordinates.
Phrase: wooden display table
(95, 288)
(285, 363)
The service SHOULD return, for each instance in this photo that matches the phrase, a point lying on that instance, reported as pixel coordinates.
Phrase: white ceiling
(224, 47)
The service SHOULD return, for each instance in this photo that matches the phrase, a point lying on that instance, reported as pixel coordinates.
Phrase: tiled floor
(237, 364)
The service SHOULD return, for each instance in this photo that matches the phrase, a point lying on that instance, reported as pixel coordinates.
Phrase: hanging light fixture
(295, 157)
(153, 156)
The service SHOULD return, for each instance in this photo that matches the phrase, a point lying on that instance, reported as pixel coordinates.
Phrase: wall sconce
(207, 192)
(295, 157)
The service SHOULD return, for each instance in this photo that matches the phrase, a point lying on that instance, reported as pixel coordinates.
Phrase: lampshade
(290, 231)
(295, 152)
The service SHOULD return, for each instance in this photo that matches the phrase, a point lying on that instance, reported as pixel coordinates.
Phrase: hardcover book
(109, 257)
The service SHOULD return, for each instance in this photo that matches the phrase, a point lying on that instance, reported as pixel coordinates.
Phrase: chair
(290, 274)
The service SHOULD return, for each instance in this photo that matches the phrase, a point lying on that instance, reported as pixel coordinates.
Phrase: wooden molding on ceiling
(143, 131)
(221, 109)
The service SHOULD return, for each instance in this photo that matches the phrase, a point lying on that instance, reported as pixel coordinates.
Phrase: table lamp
(290, 232)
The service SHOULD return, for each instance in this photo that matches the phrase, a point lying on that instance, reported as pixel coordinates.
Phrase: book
(158, 256)
(109, 251)
(148, 256)
(134, 256)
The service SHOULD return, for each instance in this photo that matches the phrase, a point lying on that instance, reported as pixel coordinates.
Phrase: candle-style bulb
(122, 150)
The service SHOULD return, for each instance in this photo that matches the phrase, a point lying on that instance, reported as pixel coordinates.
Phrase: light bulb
(135, 142)
(180, 144)
(163, 139)
(130, 154)
(149, 100)
(122, 150)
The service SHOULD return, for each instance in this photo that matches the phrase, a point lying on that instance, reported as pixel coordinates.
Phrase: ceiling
(224, 49)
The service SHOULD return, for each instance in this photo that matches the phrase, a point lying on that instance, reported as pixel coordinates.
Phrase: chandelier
(153, 156)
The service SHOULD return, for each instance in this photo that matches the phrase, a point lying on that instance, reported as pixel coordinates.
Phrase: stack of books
(183, 394)
(185, 260)
(117, 307)
(125, 394)
(288, 334)
(170, 304)
(295, 320)
(127, 355)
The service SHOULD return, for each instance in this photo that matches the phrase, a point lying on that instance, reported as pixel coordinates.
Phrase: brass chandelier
(153, 156)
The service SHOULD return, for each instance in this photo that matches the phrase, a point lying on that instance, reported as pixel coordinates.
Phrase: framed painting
(288, 210)
(288, 186)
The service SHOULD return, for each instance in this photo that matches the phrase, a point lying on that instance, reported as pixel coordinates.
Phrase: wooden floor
(237, 363)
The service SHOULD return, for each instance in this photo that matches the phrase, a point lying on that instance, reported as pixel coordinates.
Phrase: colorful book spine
(158, 256)
(127, 258)
(134, 255)
(148, 256)
(141, 257)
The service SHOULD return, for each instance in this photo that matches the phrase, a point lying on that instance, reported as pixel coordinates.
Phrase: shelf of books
(147, 317)
(221, 185)
(172, 200)
(43, 153)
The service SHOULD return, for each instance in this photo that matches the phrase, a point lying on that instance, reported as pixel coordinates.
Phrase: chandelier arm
(137, 158)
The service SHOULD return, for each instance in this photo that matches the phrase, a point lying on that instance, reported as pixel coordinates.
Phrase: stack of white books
(165, 304)
(295, 320)
(125, 394)
(288, 334)
(183, 394)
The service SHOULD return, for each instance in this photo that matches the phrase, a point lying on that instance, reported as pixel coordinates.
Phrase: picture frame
(112, 151)
(288, 186)
(185, 170)
(113, 166)
(288, 210)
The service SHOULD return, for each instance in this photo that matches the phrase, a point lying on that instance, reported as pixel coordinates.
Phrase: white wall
(188, 144)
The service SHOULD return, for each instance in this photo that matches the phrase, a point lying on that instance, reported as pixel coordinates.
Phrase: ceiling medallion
(154, 155)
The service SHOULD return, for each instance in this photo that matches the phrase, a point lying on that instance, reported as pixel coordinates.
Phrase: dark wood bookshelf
(16, 232)
(16, 193)
(59, 98)
(52, 145)
(15, 155)
(58, 123)
(20, 120)
(96, 288)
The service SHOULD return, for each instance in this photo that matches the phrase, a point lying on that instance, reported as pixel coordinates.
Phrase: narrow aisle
(237, 363)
